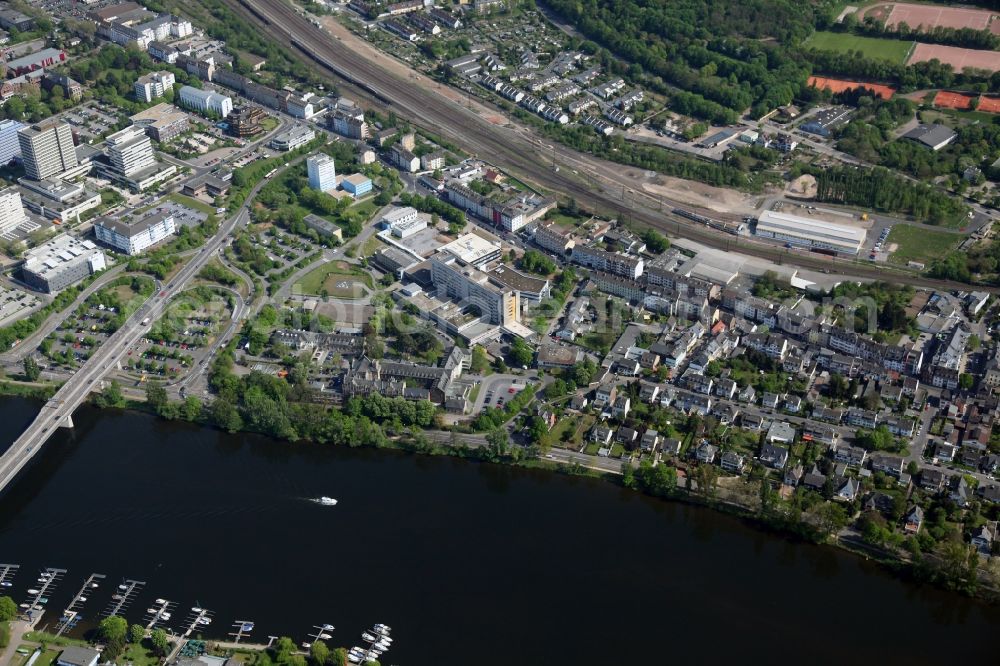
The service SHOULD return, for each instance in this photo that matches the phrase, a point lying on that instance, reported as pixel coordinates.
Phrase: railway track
(518, 151)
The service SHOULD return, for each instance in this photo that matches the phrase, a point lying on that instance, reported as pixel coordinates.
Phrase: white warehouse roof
(811, 230)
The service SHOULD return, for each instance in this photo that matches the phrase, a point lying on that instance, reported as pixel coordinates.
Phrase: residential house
(773, 456)
(622, 406)
(705, 452)
(959, 491)
(888, 464)
(627, 437)
(671, 447)
(848, 490)
(982, 539)
(793, 476)
(732, 462)
(932, 479)
(650, 439)
(725, 388)
(781, 432)
(913, 521)
(752, 422)
(793, 404)
(814, 480)
(770, 400)
(601, 434)
(852, 456)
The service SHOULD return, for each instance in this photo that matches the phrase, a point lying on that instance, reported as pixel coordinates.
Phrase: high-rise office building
(322, 172)
(47, 149)
(11, 209)
(10, 147)
(130, 151)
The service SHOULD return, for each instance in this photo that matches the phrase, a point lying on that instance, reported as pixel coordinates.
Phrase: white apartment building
(322, 172)
(135, 237)
(151, 86)
(11, 209)
(205, 101)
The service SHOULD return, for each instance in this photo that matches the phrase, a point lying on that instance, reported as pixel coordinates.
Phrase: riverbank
(728, 495)
(218, 521)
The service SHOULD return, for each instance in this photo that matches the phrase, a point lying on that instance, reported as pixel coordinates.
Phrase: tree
(160, 643)
(111, 396)
(520, 353)
(191, 408)
(319, 653)
(498, 440)
(112, 631)
(338, 657)
(480, 362)
(8, 609)
(225, 415)
(136, 633)
(156, 396)
(656, 242)
(829, 518)
(31, 370)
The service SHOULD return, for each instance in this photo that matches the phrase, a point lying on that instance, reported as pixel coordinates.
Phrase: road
(595, 183)
(562, 456)
(59, 409)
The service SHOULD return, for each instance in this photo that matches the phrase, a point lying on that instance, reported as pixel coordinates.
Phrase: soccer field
(893, 50)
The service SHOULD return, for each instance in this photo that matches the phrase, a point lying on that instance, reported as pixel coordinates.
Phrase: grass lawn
(46, 658)
(592, 449)
(184, 200)
(269, 123)
(893, 50)
(617, 450)
(578, 427)
(917, 244)
(364, 209)
(339, 278)
(566, 220)
(371, 246)
(140, 655)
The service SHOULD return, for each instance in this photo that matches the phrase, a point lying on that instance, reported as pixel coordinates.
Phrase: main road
(59, 409)
(594, 182)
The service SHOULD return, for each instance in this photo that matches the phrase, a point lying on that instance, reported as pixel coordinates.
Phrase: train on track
(734, 228)
(380, 97)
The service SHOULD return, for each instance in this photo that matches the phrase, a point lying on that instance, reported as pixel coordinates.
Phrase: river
(469, 563)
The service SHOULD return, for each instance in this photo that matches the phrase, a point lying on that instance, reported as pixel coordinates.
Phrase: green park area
(920, 244)
(338, 279)
(893, 50)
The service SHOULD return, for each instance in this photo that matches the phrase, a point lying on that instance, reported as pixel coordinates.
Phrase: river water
(469, 563)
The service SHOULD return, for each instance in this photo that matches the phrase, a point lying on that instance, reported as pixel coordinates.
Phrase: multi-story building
(163, 52)
(608, 262)
(47, 149)
(403, 222)
(299, 107)
(134, 237)
(153, 85)
(11, 209)
(61, 262)
(351, 125)
(10, 147)
(57, 199)
(246, 120)
(130, 151)
(162, 122)
(357, 184)
(34, 61)
(205, 101)
(551, 238)
(292, 138)
(322, 172)
(469, 285)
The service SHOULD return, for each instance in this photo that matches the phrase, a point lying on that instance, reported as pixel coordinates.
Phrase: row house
(852, 456)
(862, 418)
(819, 432)
(900, 426)
(775, 346)
(888, 464)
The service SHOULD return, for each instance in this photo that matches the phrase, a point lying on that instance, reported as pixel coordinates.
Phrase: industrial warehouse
(811, 233)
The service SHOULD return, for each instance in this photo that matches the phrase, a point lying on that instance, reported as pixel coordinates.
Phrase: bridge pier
(67, 422)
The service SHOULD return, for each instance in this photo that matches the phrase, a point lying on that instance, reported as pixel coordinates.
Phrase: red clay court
(958, 58)
(953, 100)
(931, 16)
(839, 85)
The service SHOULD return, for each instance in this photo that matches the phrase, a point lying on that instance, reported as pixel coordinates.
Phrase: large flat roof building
(809, 232)
(57, 199)
(47, 149)
(132, 237)
(292, 138)
(473, 249)
(61, 262)
(162, 122)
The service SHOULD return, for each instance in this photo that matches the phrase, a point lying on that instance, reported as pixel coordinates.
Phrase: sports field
(920, 244)
(840, 85)
(927, 17)
(893, 50)
(958, 58)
